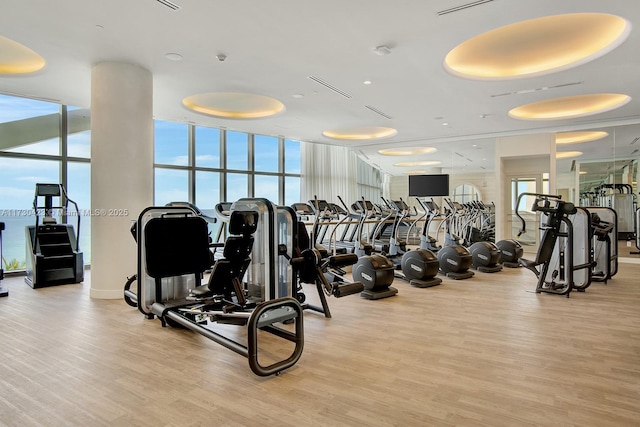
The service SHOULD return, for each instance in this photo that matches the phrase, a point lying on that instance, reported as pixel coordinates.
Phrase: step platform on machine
(376, 273)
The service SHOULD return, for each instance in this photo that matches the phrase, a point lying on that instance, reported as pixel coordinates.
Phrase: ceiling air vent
(462, 7)
(330, 86)
(375, 110)
(538, 89)
(635, 140)
(169, 4)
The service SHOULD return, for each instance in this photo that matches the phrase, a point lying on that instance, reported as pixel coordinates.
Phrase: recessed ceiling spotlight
(382, 50)
(297, 95)
(407, 151)
(173, 56)
(445, 124)
(99, 27)
(367, 82)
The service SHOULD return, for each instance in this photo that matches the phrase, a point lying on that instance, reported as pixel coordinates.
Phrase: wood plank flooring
(480, 352)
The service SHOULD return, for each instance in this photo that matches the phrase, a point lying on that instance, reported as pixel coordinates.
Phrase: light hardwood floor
(480, 352)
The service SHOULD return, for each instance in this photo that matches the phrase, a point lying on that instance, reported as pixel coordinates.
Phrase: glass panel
(291, 156)
(207, 147)
(291, 190)
(79, 190)
(237, 150)
(530, 237)
(171, 143)
(207, 191)
(237, 185)
(17, 188)
(207, 195)
(265, 153)
(171, 185)
(39, 125)
(78, 132)
(267, 187)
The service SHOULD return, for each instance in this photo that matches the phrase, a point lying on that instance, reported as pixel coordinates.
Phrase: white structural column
(121, 170)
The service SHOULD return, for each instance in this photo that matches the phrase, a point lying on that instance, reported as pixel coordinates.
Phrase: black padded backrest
(176, 245)
(243, 222)
(237, 247)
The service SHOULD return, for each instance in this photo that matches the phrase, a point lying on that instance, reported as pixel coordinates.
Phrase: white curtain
(328, 172)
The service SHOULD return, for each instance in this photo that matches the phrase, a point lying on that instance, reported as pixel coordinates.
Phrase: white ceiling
(273, 48)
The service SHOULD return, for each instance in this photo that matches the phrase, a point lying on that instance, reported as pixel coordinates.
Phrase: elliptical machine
(455, 260)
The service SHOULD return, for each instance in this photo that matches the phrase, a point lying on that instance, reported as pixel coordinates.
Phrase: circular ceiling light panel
(230, 105)
(577, 137)
(537, 46)
(360, 133)
(422, 172)
(570, 106)
(568, 154)
(16, 58)
(422, 163)
(407, 151)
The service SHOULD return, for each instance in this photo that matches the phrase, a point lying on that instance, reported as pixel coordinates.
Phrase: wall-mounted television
(429, 185)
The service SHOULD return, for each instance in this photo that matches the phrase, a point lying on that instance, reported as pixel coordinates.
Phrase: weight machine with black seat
(565, 244)
(246, 287)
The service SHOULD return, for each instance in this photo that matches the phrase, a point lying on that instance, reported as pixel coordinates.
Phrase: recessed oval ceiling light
(576, 137)
(408, 151)
(360, 133)
(538, 46)
(16, 58)
(422, 172)
(583, 172)
(567, 154)
(570, 106)
(422, 163)
(229, 105)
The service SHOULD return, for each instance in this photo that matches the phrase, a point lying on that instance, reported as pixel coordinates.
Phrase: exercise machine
(420, 267)
(455, 260)
(510, 252)
(4, 292)
(604, 224)
(564, 258)
(247, 287)
(324, 271)
(53, 250)
(376, 273)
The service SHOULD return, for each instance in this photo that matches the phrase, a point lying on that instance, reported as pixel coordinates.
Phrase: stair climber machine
(564, 259)
(455, 260)
(419, 267)
(251, 285)
(4, 292)
(53, 250)
(604, 222)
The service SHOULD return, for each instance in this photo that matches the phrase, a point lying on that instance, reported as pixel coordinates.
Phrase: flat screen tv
(428, 185)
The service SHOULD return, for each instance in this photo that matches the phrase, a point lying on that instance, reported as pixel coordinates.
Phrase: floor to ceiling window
(40, 142)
